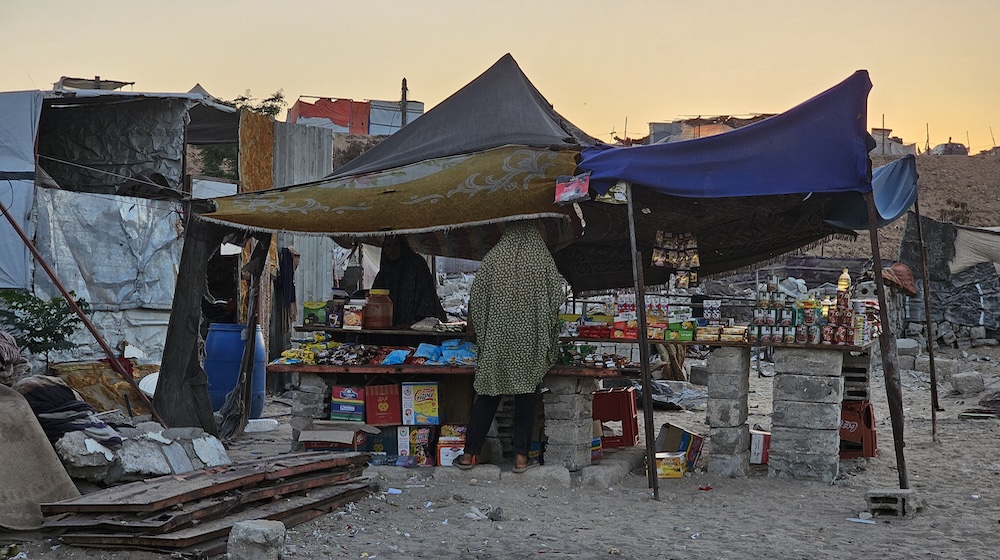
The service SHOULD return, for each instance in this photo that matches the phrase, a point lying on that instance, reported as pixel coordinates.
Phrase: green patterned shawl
(514, 307)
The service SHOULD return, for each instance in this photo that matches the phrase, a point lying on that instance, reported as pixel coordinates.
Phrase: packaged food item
(354, 314)
(815, 334)
(378, 310)
(789, 335)
(801, 334)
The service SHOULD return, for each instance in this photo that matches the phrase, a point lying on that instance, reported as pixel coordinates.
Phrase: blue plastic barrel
(223, 353)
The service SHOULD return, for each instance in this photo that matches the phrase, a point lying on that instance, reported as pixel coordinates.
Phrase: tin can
(833, 316)
(852, 336)
(840, 335)
(844, 300)
(758, 316)
(801, 334)
(847, 317)
(753, 334)
(809, 316)
(787, 317)
(789, 334)
(815, 334)
(771, 317)
(827, 334)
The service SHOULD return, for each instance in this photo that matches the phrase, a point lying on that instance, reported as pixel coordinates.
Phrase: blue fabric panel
(819, 146)
(895, 189)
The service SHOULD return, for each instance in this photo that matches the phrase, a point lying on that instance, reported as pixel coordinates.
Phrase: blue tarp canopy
(895, 188)
(818, 146)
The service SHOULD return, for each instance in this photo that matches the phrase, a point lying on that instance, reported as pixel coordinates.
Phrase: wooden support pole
(935, 405)
(887, 344)
(647, 377)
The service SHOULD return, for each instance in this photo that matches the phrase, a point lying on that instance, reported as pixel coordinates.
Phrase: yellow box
(670, 464)
(420, 404)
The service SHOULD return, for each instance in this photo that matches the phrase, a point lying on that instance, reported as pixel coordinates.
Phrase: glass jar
(378, 310)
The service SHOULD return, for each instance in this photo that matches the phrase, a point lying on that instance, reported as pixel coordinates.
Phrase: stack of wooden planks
(191, 514)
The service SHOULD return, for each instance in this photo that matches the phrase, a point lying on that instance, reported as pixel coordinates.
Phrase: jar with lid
(378, 310)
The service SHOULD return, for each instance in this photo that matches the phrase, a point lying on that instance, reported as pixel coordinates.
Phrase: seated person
(412, 289)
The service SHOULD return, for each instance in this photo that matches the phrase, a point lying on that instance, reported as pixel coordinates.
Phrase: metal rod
(647, 378)
(112, 359)
(887, 343)
(935, 405)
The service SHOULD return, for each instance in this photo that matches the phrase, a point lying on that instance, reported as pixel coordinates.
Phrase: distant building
(700, 127)
(887, 145)
(347, 116)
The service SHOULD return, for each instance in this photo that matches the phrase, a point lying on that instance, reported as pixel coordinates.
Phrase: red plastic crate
(614, 405)
(857, 430)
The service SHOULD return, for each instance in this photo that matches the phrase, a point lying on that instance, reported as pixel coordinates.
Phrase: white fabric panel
(974, 246)
(371, 256)
(116, 252)
(19, 113)
(385, 117)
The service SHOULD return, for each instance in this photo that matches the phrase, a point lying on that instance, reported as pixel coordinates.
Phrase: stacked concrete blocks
(569, 421)
(805, 433)
(727, 411)
(856, 373)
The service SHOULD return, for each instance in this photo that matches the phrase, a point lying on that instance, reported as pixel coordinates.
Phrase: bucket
(223, 353)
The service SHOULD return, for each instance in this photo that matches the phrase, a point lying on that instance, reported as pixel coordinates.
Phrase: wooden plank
(186, 514)
(322, 500)
(165, 491)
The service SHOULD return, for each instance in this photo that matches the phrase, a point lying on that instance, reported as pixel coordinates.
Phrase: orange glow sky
(933, 64)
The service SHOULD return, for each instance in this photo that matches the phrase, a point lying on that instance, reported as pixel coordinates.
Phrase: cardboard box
(314, 313)
(670, 464)
(327, 434)
(383, 405)
(676, 439)
(596, 449)
(760, 444)
(680, 336)
(451, 433)
(420, 404)
(347, 403)
(448, 452)
(417, 442)
(384, 442)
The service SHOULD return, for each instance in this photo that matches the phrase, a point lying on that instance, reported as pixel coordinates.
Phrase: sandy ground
(957, 479)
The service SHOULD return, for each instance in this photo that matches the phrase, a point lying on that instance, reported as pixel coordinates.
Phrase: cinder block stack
(805, 433)
(569, 420)
(726, 414)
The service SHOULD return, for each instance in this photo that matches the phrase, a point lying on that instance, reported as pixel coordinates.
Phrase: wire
(137, 180)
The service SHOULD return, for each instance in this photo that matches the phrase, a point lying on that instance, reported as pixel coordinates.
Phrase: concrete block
(568, 407)
(728, 385)
(804, 466)
(256, 540)
(985, 342)
(312, 383)
(949, 338)
(907, 347)
(84, 457)
(178, 459)
(789, 442)
(737, 465)
(183, 433)
(891, 501)
(914, 328)
(802, 361)
(726, 413)
(311, 411)
(142, 458)
(210, 451)
(569, 432)
(945, 367)
(306, 399)
(728, 360)
(963, 343)
(573, 457)
(150, 426)
(559, 385)
(968, 383)
(728, 441)
(699, 375)
(813, 416)
(907, 362)
(977, 333)
(808, 388)
(862, 360)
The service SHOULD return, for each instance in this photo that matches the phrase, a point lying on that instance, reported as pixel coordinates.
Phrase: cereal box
(420, 404)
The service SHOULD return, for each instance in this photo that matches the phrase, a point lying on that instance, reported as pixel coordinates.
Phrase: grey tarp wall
(19, 112)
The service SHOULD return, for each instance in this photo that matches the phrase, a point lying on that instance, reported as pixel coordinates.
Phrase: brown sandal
(527, 465)
(462, 465)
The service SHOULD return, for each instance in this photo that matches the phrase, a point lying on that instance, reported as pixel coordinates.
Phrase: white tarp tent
(19, 114)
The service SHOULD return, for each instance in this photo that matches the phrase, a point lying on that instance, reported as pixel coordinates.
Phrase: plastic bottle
(378, 310)
(844, 282)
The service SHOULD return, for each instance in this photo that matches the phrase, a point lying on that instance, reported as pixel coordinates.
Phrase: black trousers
(485, 408)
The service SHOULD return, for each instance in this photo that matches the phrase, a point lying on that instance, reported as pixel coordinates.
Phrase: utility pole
(402, 105)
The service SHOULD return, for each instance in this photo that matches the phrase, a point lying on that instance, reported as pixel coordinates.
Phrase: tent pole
(647, 379)
(887, 344)
(112, 359)
(927, 317)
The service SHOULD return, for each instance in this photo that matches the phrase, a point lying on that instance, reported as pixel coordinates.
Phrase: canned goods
(789, 334)
(840, 335)
(815, 334)
(833, 316)
(847, 317)
(843, 300)
(771, 317)
(809, 316)
(753, 334)
(827, 334)
(801, 334)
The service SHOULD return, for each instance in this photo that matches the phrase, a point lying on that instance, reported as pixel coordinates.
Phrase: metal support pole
(935, 405)
(647, 377)
(887, 343)
(112, 358)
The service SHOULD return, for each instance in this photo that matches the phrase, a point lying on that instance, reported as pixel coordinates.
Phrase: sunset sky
(933, 64)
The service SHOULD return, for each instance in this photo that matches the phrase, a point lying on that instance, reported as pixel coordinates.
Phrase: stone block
(728, 361)
(84, 457)
(737, 465)
(143, 458)
(968, 383)
(312, 383)
(861, 360)
(699, 375)
(178, 459)
(977, 333)
(569, 432)
(559, 385)
(985, 342)
(813, 416)
(907, 362)
(726, 413)
(319, 411)
(907, 347)
(945, 367)
(210, 451)
(891, 501)
(804, 466)
(942, 328)
(808, 388)
(256, 540)
(728, 385)
(949, 338)
(963, 343)
(789, 442)
(150, 426)
(800, 361)
(573, 457)
(305, 398)
(914, 328)
(183, 433)
(728, 441)
(568, 407)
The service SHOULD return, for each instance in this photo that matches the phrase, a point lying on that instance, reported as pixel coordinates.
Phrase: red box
(857, 430)
(613, 405)
(760, 447)
(383, 406)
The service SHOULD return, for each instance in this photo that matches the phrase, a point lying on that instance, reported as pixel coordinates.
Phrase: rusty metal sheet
(165, 491)
(294, 508)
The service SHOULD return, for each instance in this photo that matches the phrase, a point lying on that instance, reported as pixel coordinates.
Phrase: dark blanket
(59, 411)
